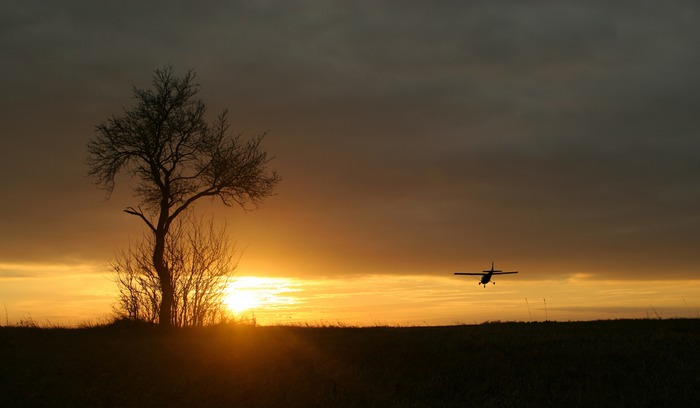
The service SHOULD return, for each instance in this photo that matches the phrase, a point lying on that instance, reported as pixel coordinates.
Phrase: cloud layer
(413, 137)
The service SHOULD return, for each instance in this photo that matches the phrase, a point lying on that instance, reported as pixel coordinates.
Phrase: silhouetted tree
(201, 264)
(176, 159)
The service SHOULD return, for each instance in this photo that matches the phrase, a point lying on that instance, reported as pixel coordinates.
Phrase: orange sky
(82, 295)
(414, 140)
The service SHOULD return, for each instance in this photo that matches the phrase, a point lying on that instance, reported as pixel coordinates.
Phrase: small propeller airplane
(486, 275)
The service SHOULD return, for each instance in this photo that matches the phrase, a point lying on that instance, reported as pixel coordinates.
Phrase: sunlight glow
(60, 294)
(249, 293)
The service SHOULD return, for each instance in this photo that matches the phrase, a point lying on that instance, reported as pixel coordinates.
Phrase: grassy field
(625, 363)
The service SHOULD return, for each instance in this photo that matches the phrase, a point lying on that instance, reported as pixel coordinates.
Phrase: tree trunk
(166, 285)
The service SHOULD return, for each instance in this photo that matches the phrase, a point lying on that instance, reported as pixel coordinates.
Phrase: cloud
(412, 136)
(5, 274)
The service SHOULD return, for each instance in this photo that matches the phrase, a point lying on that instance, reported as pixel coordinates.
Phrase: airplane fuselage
(486, 277)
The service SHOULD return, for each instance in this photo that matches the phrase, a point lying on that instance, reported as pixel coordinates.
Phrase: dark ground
(623, 363)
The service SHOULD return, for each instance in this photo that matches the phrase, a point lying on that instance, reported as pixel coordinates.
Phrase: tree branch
(139, 213)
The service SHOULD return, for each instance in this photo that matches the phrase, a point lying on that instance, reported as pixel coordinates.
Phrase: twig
(657, 315)
(528, 308)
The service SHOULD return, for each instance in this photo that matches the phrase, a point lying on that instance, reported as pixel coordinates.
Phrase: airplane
(486, 275)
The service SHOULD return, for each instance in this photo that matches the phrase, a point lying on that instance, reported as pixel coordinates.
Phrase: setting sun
(239, 301)
(249, 293)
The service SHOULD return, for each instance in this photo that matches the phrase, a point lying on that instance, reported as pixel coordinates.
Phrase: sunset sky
(414, 139)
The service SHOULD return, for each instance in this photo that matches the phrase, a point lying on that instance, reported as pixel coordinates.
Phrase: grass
(623, 363)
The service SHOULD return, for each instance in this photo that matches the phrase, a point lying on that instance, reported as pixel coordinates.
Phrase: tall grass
(605, 363)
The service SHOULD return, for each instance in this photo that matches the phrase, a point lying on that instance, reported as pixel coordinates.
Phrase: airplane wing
(470, 273)
(504, 273)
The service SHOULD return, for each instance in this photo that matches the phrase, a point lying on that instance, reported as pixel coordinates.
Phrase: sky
(414, 139)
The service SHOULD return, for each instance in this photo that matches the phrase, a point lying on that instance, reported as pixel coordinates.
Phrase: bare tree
(138, 286)
(201, 263)
(176, 158)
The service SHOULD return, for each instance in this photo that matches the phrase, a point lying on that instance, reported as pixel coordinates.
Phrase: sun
(239, 300)
(250, 293)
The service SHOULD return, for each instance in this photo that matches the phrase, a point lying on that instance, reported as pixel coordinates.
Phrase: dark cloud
(15, 274)
(412, 136)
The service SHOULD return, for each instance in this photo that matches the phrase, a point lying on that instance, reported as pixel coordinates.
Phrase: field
(622, 363)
